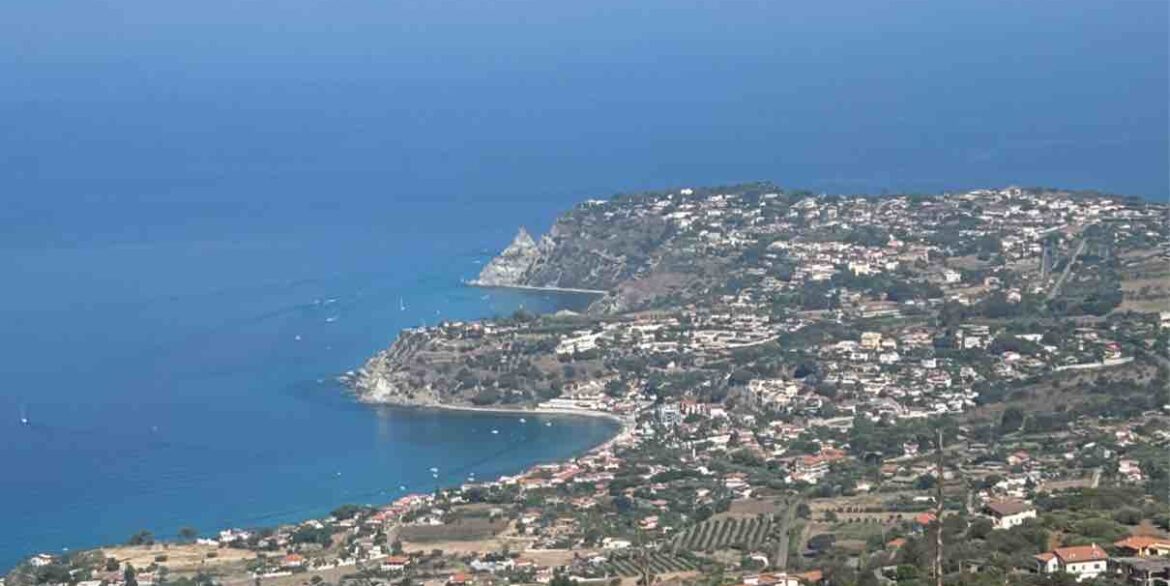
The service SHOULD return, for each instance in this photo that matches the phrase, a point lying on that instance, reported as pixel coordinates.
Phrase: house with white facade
(1009, 513)
(1082, 561)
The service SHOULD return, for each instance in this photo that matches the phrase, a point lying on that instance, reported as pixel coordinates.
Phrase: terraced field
(726, 533)
(627, 565)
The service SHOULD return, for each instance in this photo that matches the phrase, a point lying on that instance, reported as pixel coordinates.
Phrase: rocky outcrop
(386, 377)
(511, 267)
(587, 249)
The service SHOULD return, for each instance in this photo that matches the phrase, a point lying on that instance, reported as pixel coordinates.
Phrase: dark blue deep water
(185, 186)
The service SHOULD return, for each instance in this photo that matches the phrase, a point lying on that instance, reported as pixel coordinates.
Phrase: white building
(1082, 561)
(1008, 514)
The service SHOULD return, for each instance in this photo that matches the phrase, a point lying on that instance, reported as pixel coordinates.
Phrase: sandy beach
(626, 423)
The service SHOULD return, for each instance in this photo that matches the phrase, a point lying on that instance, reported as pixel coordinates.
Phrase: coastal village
(967, 388)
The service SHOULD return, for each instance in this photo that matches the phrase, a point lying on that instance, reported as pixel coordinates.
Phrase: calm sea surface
(191, 382)
(211, 209)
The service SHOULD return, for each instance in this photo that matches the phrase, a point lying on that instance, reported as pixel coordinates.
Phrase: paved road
(785, 533)
(1067, 270)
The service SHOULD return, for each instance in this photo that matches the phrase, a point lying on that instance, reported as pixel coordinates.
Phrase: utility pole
(938, 512)
(647, 575)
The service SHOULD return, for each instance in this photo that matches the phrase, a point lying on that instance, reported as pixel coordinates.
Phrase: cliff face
(511, 267)
(387, 377)
(586, 248)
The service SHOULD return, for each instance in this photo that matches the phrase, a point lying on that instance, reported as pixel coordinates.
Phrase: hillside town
(959, 389)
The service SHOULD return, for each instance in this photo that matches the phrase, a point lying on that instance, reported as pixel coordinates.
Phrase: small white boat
(330, 319)
(23, 416)
(434, 469)
(401, 305)
(401, 487)
(523, 420)
(495, 432)
(297, 337)
(548, 424)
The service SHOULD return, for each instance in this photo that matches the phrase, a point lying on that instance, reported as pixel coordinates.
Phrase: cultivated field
(627, 565)
(473, 529)
(724, 533)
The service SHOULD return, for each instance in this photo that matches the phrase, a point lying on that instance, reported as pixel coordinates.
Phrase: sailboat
(23, 416)
(401, 305)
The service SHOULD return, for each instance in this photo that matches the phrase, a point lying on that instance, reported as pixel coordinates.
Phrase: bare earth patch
(180, 558)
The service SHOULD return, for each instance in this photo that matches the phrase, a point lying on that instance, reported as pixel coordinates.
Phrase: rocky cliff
(511, 267)
(589, 247)
(387, 376)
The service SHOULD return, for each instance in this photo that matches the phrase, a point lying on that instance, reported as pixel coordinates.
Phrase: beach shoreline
(481, 285)
(625, 424)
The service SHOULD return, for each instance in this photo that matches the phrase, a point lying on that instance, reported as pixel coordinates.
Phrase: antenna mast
(938, 512)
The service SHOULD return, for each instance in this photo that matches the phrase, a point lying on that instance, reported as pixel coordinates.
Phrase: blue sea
(209, 210)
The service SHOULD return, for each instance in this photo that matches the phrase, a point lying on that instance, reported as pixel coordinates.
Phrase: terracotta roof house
(395, 563)
(811, 577)
(1143, 546)
(1082, 561)
(292, 560)
(924, 519)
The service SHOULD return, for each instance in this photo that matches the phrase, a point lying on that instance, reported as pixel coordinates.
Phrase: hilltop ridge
(694, 277)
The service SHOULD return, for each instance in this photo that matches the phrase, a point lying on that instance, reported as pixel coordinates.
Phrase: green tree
(561, 579)
(143, 537)
(1012, 420)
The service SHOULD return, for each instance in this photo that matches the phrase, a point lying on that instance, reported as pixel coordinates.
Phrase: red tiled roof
(924, 518)
(1142, 542)
(1080, 553)
(811, 576)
